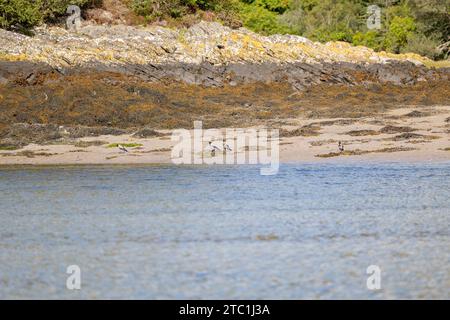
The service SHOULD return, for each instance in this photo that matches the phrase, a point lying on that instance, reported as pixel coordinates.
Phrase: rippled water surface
(226, 232)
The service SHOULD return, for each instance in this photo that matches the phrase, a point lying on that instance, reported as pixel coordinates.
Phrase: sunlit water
(226, 232)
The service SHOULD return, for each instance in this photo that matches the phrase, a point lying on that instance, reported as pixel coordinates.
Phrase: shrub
(155, 9)
(324, 20)
(423, 45)
(372, 39)
(278, 6)
(259, 19)
(28, 13)
(400, 29)
(52, 9)
(24, 12)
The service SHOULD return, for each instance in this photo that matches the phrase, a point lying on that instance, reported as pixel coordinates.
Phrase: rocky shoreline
(60, 86)
(206, 54)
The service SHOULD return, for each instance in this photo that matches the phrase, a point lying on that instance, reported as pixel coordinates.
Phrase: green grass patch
(126, 145)
(8, 147)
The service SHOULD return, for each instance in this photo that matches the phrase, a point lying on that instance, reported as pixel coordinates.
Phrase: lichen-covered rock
(207, 53)
(205, 41)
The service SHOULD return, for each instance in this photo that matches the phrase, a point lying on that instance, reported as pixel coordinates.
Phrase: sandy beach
(402, 134)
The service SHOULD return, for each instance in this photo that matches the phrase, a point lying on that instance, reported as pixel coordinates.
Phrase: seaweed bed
(100, 103)
(358, 152)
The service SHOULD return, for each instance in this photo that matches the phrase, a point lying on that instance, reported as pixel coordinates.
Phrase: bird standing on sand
(213, 149)
(341, 146)
(122, 148)
(226, 147)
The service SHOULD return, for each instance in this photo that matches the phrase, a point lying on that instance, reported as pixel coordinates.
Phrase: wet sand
(402, 134)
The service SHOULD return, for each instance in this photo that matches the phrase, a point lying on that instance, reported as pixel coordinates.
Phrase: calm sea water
(226, 232)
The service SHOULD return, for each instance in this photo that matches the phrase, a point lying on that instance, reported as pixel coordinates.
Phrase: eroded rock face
(207, 54)
(298, 75)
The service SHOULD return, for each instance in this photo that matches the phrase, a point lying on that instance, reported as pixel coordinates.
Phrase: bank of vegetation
(420, 26)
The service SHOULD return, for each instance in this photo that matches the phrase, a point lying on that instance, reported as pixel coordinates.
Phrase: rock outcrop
(208, 54)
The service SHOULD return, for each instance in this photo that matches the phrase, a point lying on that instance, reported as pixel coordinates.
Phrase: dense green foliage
(263, 15)
(28, 13)
(160, 9)
(406, 25)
